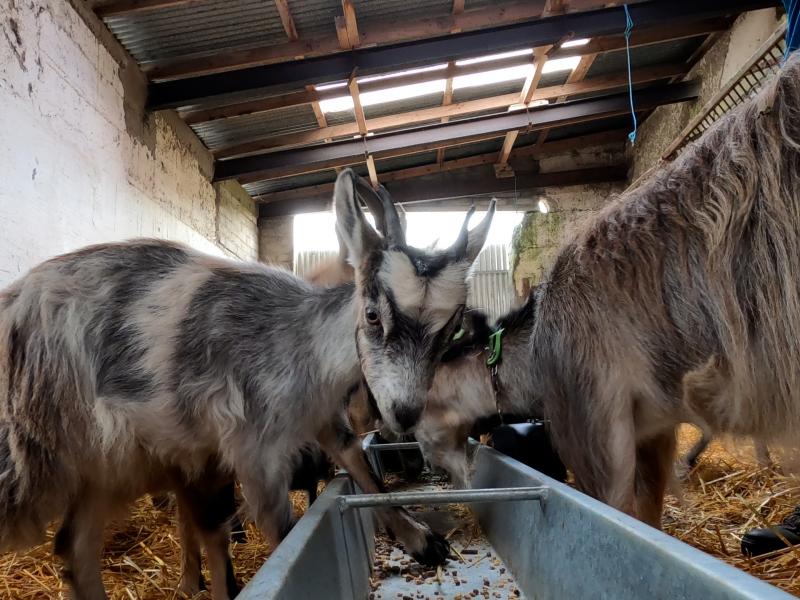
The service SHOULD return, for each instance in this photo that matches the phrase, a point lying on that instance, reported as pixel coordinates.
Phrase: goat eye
(373, 318)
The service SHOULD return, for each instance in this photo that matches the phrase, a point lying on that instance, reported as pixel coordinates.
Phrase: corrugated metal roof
(645, 56)
(224, 132)
(484, 147)
(405, 162)
(315, 18)
(288, 183)
(402, 106)
(198, 29)
(370, 11)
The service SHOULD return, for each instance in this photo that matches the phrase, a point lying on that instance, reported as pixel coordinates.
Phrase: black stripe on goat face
(405, 320)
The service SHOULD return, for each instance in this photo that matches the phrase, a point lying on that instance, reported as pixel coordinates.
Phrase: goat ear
(476, 237)
(352, 226)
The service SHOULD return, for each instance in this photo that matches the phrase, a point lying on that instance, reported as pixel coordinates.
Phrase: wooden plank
(424, 28)
(300, 98)
(508, 145)
(286, 19)
(130, 7)
(539, 180)
(595, 84)
(373, 174)
(416, 140)
(540, 58)
(458, 7)
(342, 36)
(531, 151)
(318, 114)
(447, 98)
(361, 120)
(554, 7)
(578, 74)
(351, 23)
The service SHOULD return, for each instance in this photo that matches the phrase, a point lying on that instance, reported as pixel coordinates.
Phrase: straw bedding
(725, 495)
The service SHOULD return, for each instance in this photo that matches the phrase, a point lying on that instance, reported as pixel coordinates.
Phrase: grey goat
(145, 365)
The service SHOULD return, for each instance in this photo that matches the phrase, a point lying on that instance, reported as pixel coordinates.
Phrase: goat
(135, 366)
(462, 393)
(679, 302)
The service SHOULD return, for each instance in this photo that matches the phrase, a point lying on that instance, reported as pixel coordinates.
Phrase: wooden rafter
(578, 74)
(532, 151)
(299, 197)
(307, 97)
(286, 19)
(595, 84)
(299, 98)
(529, 88)
(361, 120)
(447, 99)
(389, 33)
(532, 83)
(554, 7)
(351, 23)
(419, 140)
(373, 173)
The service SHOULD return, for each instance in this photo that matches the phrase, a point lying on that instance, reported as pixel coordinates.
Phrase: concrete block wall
(276, 241)
(237, 221)
(81, 162)
(720, 63)
(539, 236)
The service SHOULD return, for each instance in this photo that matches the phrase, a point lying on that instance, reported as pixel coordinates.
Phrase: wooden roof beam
(375, 35)
(530, 151)
(423, 139)
(578, 74)
(316, 198)
(299, 98)
(501, 167)
(286, 19)
(595, 84)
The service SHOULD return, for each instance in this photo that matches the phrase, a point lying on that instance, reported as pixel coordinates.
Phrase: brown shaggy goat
(679, 302)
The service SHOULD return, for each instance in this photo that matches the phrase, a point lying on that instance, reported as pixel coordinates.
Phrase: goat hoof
(436, 552)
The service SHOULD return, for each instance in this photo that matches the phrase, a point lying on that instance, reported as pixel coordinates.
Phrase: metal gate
(490, 287)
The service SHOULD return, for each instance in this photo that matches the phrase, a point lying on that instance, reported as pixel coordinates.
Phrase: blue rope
(792, 26)
(628, 30)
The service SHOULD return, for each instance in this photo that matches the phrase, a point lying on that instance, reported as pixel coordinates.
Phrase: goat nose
(407, 416)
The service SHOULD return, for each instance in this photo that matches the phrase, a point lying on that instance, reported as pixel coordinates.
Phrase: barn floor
(727, 493)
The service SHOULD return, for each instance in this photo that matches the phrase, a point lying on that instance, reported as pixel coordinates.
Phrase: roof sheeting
(198, 29)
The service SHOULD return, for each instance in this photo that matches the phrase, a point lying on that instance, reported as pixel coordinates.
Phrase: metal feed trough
(556, 542)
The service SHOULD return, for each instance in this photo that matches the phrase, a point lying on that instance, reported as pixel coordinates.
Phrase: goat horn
(459, 247)
(394, 226)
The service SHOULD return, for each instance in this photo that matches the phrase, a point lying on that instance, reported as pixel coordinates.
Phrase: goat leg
(79, 543)
(425, 545)
(654, 459)
(192, 581)
(209, 504)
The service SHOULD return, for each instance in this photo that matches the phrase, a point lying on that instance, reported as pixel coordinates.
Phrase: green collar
(495, 348)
